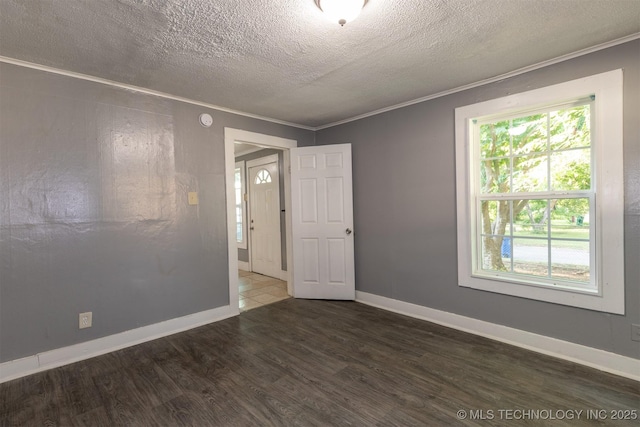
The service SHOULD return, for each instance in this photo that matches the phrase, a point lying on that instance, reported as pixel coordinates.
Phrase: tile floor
(257, 290)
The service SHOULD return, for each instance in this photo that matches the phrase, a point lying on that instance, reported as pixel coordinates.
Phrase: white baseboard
(595, 358)
(599, 359)
(77, 352)
(284, 276)
(243, 265)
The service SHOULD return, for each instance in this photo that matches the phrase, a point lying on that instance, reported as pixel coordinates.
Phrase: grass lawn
(557, 232)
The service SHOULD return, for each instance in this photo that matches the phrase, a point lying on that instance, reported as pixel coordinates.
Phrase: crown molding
(146, 91)
(479, 83)
(514, 73)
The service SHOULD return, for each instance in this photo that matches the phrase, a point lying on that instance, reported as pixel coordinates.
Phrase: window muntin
(533, 192)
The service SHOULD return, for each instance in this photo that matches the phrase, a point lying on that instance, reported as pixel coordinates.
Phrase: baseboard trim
(243, 265)
(599, 359)
(63, 356)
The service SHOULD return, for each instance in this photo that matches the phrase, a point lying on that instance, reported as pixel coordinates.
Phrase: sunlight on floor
(257, 290)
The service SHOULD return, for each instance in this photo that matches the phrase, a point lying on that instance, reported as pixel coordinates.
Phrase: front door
(264, 221)
(322, 222)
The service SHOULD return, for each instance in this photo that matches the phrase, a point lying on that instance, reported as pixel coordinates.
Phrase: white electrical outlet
(85, 320)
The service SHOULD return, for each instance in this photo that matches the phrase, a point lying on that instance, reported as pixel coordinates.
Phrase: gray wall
(93, 209)
(243, 254)
(405, 210)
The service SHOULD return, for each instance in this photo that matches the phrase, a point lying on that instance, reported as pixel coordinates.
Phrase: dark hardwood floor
(319, 363)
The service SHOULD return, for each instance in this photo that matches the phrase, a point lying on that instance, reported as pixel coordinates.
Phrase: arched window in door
(262, 177)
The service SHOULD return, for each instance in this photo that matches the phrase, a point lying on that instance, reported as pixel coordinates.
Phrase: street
(568, 256)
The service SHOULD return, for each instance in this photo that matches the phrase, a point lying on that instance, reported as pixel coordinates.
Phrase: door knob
(348, 231)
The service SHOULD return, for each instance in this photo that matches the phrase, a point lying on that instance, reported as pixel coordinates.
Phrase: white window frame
(608, 185)
(243, 188)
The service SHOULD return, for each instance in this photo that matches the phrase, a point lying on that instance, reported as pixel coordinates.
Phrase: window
(539, 187)
(534, 192)
(263, 177)
(239, 185)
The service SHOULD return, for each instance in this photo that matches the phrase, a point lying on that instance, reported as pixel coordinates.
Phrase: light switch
(193, 198)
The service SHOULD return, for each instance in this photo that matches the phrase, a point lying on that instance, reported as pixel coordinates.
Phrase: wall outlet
(635, 332)
(85, 320)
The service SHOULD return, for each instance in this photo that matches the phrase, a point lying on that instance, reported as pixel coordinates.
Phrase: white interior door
(264, 221)
(322, 222)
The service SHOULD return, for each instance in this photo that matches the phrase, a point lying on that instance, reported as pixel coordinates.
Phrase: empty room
(319, 212)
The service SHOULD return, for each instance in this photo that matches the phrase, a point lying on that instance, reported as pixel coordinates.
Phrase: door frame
(232, 135)
(272, 158)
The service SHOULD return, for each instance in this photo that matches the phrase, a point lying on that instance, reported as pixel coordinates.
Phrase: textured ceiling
(283, 60)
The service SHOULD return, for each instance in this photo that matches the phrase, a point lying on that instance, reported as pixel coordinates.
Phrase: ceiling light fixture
(341, 11)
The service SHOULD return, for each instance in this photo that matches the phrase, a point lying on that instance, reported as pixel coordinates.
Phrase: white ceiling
(283, 60)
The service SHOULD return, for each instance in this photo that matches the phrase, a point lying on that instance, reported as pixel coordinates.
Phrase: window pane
(495, 217)
(530, 173)
(570, 128)
(495, 225)
(488, 213)
(494, 176)
(495, 140)
(571, 170)
(239, 204)
(531, 218)
(570, 260)
(570, 219)
(238, 179)
(496, 253)
(239, 224)
(529, 134)
(531, 256)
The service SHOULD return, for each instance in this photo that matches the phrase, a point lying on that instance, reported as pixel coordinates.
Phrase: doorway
(321, 181)
(233, 136)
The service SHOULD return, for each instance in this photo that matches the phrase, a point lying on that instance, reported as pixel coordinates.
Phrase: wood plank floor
(318, 363)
